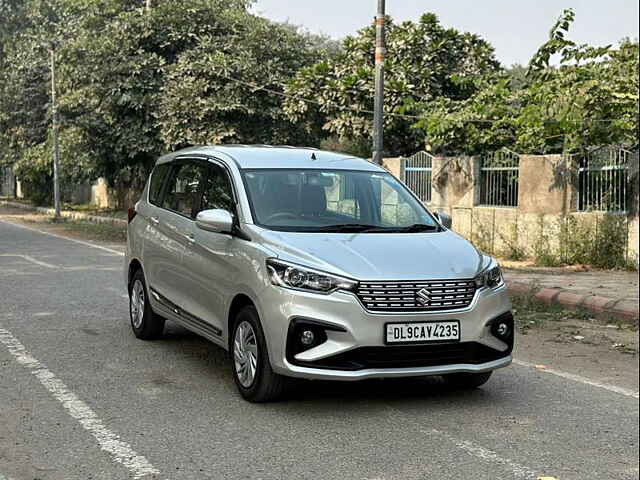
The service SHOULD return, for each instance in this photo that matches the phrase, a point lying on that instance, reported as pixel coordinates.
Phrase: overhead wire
(355, 109)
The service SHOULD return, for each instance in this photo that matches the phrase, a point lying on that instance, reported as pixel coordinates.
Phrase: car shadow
(388, 390)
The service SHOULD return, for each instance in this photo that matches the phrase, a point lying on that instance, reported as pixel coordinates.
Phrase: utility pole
(54, 112)
(148, 4)
(378, 118)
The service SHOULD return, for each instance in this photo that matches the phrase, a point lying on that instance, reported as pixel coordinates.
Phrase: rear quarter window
(158, 177)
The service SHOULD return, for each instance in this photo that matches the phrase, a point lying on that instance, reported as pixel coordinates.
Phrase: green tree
(485, 122)
(37, 26)
(228, 89)
(572, 97)
(425, 61)
(590, 98)
(133, 83)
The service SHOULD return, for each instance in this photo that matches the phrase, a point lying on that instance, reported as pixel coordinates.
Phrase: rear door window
(182, 194)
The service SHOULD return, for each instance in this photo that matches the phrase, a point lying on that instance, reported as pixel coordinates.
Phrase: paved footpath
(81, 398)
(602, 291)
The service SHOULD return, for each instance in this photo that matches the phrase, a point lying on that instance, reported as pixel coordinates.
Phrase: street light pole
(378, 119)
(54, 112)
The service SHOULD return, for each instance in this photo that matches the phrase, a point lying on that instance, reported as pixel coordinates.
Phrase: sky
(516, 28)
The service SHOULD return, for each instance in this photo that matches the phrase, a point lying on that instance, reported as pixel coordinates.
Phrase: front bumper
(316, 373)
(358, 330)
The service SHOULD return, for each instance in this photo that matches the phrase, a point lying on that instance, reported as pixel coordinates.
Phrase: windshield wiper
(349, 228)
(419, 227)
(364, 228)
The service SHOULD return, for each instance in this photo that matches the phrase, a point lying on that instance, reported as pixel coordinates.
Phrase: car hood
(379, 256)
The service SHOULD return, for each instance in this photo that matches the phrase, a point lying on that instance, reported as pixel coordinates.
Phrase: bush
(599, 242)
(36, 176)
(609, 247)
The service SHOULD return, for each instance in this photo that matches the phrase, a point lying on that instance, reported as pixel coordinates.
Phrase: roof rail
(262, 145)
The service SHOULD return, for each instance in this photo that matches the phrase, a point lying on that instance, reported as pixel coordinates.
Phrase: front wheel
(146, 325)
(467, 380)
(252, 371)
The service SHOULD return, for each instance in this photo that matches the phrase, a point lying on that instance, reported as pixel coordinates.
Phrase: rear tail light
(131, 214)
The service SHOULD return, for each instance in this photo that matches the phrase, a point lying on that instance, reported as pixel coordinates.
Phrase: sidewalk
(606, 293)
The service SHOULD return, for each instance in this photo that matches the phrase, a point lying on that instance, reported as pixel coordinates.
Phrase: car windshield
(334, 201)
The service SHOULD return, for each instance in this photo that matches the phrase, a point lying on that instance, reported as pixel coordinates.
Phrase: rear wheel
(252, 371)
(145, 324)
(467, 380)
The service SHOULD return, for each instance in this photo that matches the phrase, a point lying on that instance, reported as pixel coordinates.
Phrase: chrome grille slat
(401, 296)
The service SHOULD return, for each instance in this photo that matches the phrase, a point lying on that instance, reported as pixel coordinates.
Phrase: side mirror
(444, 219)
(217, 221)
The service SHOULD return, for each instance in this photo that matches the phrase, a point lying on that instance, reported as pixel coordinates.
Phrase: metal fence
(499, 175)
(416, 174)
(604, 181)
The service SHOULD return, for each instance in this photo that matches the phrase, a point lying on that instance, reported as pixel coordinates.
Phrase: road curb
(68, 214)
(603, 307)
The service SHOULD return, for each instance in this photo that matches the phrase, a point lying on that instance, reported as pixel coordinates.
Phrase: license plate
(417, 332)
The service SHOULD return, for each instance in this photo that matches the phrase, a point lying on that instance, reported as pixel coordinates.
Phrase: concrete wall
(393, 165)
(453, 182)
(543, 187)
(98, 194)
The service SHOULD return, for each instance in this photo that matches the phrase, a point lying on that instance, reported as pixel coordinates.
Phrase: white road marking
(93, 268)
(475, 450)
(118, 291)
(120, 451)
(81, 242)
(519, 471)
(29, 259)
(577, 378)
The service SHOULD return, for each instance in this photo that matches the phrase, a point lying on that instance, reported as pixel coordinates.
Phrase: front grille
(407, 356)
(424, 296)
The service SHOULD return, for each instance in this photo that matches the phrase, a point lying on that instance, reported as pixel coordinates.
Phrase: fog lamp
(502, 329)
(307, 337)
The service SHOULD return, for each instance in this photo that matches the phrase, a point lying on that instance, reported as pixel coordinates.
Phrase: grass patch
(530, 313)
(102, 232)
(92, 210)
(93, 231)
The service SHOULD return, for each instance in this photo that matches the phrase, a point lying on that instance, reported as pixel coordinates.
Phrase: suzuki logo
(423, 296)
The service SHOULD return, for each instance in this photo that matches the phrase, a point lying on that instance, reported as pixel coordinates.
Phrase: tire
(467, 381)
(252, 373)
(148, 325)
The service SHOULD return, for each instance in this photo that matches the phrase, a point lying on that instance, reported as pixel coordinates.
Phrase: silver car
(311, 264)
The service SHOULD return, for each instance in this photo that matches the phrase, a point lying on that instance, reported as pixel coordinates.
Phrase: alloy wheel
(245, 354)
(136, 304)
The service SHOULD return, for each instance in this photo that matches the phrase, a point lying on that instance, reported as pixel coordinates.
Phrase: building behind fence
(532, 205)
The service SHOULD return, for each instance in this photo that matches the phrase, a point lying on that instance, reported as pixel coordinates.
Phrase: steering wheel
(279, 215)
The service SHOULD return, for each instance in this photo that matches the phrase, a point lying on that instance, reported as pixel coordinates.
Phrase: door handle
(154, 220)
(190, 237)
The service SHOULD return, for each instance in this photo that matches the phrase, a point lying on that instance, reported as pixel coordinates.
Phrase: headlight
(490, 278)
(289, 275)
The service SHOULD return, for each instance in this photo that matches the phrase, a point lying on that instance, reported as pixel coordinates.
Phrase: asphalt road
(81, 398)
